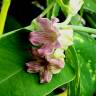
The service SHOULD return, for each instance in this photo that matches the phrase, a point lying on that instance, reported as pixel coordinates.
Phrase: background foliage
(78, 78)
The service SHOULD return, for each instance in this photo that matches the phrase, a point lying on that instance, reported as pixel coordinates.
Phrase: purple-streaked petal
(48, 48)
(40, 38)
(33, 67)
(48, 25)
(45, 76)
(35, 53)
(54, 20)
(45, 23)
(45, 50)
(56, 63)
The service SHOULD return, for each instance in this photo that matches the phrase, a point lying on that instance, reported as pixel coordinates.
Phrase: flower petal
(54, 70)
(66, 37)
(56, 58)
(45, 75)
(58, 53)
(46, 50)
(54, 20)
(75, 6)
(56, 62)
(47, 25)
(33, 67)
(39, 38)
(35, 53)
(55, 65)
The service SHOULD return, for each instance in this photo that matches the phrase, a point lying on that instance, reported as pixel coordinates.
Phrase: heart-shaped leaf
(14, 80)
(86, 49)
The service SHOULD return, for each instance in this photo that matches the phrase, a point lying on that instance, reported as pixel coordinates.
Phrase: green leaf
(14, 80)
(91, 18)
(86, 49)
(3, 14)
(90, 5)
(11, 24)
(74, 86)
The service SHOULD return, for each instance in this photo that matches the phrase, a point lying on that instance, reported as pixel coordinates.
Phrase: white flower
(74, 6)
(66, 37)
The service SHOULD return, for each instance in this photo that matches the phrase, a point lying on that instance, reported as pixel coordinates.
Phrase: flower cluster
(49, 53)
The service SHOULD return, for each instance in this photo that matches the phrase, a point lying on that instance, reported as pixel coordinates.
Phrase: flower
(66, 37)
(46, 67)
(45, 75)
(56, 61)
(74, 6)
(33, 66)
(46, 37)
(48, 53)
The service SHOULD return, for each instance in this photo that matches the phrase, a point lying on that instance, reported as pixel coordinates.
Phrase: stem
(3, 14)
(49, 12)
(83, 29)
(63, 6)
(47, 9)
(55, 10)
(78, 28)
(67, 21)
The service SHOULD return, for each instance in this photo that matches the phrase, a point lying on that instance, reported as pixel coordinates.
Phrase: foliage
(78, 77)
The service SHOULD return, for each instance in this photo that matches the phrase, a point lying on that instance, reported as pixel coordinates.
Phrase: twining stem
(49, 12)
(68, 19)
(3, 14)
(83, 29)
(47, 9)
(55, 10)
(41, 15)
(63, 6)
(78, 28)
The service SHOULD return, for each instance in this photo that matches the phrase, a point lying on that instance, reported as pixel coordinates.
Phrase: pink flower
(45, 75)
(46, 37)
(45, 68)
(33, 66)
(48, 55)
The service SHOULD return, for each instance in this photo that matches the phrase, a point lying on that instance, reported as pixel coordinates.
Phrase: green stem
(63, 6)
(49, 12)
(41, 15)
(78, 28)
(55, 10)
(67, 21)
(47, 9)
(3, 14)
(83, 29)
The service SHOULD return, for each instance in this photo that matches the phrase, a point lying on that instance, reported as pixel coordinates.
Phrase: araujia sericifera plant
(49, 53)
